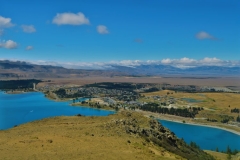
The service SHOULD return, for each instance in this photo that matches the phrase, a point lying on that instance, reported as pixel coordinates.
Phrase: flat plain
(233, 82)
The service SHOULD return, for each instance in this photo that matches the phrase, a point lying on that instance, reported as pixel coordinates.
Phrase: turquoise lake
(16, 109)
(206, 137)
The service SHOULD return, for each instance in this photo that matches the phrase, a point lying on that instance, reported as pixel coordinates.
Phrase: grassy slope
(217, 101)
(77, 138)
(217, 155)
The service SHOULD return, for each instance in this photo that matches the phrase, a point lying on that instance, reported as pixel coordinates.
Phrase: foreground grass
(77, 138)
(217, 155)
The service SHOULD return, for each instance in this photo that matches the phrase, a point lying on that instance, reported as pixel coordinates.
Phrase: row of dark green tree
(235, 110)
(238, 119)
(62, 94)
(111, 85)
(183, 112)
(211, 120)
(17, 84)
(224, 120)
(229, 152)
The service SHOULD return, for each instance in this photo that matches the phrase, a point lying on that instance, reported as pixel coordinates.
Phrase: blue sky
(87, 31)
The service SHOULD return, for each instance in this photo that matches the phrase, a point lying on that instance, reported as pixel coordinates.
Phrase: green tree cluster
(186, 112)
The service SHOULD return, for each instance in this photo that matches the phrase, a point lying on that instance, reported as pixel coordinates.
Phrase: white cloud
(210, 60)
(187, 62)
(128, 63)
(5, 22)
(8, 44)
(166, 61)
(70, 19)
(204, 35)
(29, 48)
(28, 28)
(101, 29)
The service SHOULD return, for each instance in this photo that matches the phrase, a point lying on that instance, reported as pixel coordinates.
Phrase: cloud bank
(188, 63)
(179, 63)
(70, 19)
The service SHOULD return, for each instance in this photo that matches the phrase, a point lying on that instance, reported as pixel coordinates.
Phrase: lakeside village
(186, 101)
(180, 101)
(115, 96)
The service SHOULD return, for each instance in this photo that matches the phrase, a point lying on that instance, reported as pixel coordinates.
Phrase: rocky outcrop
(154, 132)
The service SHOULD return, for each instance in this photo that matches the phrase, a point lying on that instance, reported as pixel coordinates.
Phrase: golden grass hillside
(218, 155)
(215, 104)
(79, 137)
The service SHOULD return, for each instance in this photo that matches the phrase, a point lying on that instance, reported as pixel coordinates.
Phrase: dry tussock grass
(76, 138)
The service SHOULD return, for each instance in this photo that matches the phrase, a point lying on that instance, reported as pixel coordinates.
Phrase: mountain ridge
(28, 70)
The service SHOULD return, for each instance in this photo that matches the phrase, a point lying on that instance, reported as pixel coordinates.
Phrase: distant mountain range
(153, 70)
(19, 69)
(10, 69)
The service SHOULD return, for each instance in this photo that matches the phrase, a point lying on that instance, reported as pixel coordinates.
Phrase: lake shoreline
(187, 121)
(35, 106)
(87, 106)
(203, 125)
(171, 118)
(59, 100)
